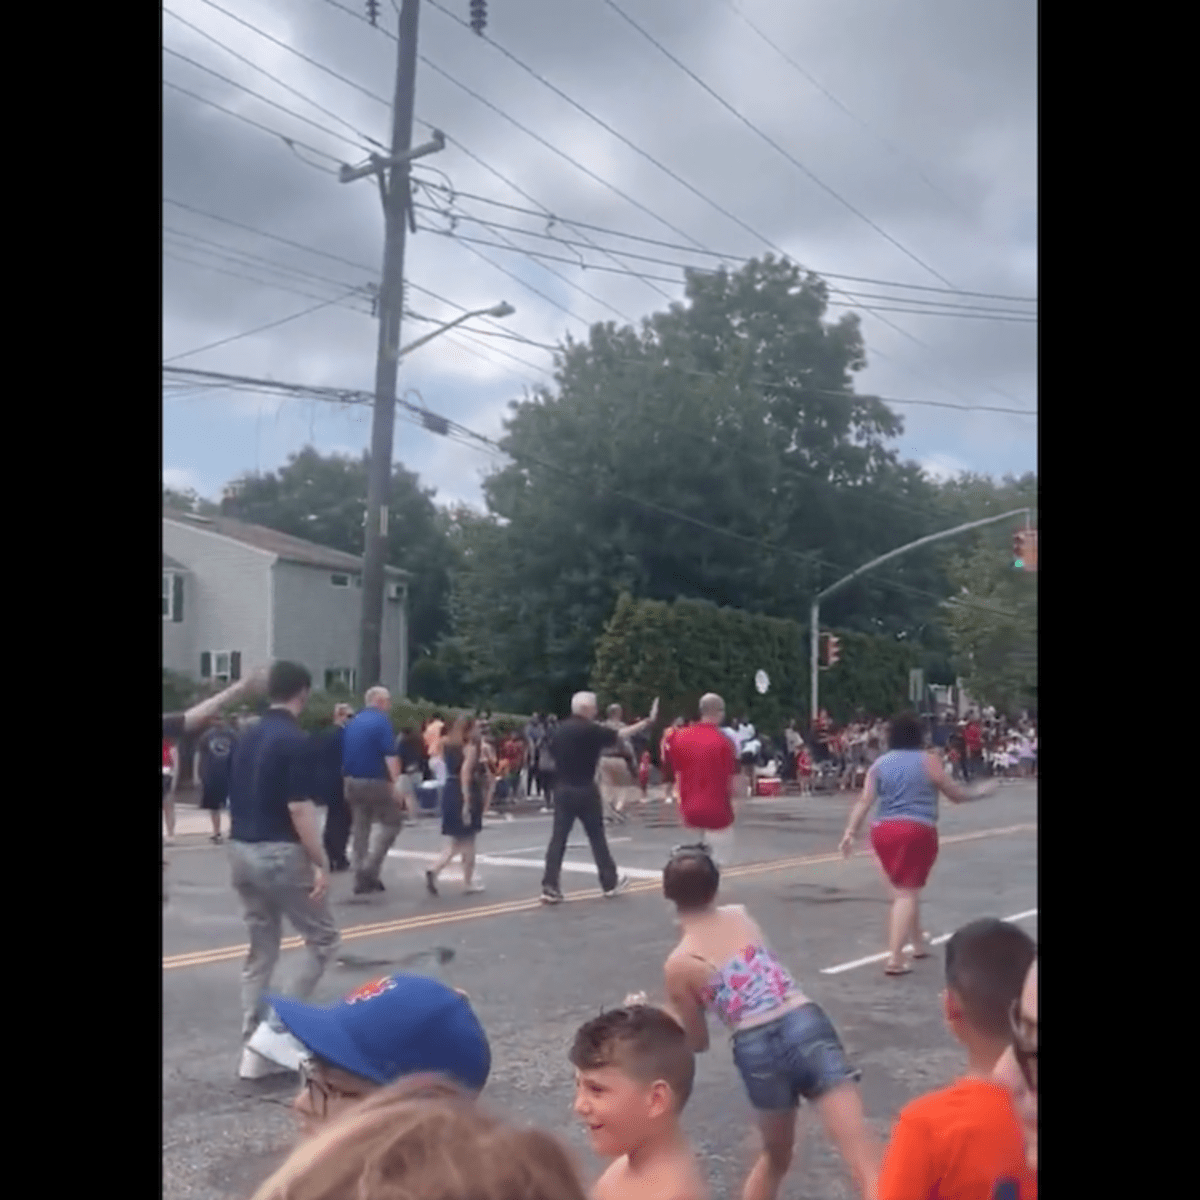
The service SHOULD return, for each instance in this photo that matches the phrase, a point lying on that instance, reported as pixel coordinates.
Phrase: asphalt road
(536, 974)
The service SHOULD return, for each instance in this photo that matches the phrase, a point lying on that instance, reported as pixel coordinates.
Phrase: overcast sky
(917, 117)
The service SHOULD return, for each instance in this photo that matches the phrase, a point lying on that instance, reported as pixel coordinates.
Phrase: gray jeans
(274, 880)
(372, 801)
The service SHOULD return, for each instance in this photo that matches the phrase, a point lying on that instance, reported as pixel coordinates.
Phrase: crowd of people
(391, 1077)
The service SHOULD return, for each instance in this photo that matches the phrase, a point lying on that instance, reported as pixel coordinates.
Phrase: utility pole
(814, 619)
(395, 189)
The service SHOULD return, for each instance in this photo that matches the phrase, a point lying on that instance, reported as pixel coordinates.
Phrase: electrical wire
(275, 79)
(291, 112)
(841, 107)
(349, 396)
(617, 233)
(865, 308)
(290, 142)
(259, 328)
(778, 148)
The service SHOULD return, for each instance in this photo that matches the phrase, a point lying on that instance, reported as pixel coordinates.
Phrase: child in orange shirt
(965, 1142)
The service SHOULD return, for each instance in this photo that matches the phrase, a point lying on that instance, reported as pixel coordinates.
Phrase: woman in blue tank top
(905, 781)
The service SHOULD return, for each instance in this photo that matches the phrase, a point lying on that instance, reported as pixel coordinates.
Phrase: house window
(340, 679)
(172, 597)
(340, 580)
(221, 666)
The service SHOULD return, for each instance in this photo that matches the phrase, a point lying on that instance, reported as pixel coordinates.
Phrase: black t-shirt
(325, 757)
(576, 747)
(216, 751)
(272, 766)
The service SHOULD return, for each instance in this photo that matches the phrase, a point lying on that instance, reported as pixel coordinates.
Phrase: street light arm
(494, 310)
(933, 537)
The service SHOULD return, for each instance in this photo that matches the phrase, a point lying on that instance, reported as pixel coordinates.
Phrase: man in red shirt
(705, 766)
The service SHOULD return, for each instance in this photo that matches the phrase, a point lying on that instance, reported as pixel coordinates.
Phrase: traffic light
(478, 16)
(832, 649)
(1019, 550)
(372, 11)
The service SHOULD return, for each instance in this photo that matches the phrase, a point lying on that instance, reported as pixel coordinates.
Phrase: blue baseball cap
(400, 1025)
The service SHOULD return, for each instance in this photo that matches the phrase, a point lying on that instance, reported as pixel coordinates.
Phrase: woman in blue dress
(462, 804)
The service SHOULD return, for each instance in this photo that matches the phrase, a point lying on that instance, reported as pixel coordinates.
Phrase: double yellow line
(205, 958)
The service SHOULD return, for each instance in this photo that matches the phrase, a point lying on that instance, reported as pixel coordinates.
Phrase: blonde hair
(425, 1139)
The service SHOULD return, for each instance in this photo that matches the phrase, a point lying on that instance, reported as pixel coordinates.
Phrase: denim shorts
(800, 1054)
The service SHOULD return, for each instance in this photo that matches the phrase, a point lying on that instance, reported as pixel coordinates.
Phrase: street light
(375, 548)
(503, 309)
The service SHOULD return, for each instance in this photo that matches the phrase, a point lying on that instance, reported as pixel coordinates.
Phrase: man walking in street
(371, 766)
(705, 767)
(575, 748)
(215, 751)
(278, 864)
(327, 750)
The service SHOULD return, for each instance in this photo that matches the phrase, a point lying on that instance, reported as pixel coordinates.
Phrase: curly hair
(425, 1139)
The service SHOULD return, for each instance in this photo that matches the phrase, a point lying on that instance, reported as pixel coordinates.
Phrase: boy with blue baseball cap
(397, 1026)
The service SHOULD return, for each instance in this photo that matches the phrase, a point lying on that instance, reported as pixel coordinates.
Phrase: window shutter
(177, 598)
(205, 665)
(235, 665)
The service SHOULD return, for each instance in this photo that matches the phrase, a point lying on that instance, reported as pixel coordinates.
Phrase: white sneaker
(621, 886)
(278, 1047)
(254, 1066)
(473, 887)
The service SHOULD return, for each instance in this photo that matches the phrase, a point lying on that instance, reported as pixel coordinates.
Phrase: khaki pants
(275, 880)
(371, 802)
(614, 781)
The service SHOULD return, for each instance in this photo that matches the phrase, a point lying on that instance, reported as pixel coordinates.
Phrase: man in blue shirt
(278, 864)
(372, 769)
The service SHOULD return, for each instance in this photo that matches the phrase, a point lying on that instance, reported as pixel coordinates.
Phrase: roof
(170, 564)
(282, 545)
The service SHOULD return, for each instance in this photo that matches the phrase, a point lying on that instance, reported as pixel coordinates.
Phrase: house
(235, 595)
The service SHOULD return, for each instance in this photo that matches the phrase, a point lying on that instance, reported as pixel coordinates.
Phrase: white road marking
(542, 846)
(937, 941)
(487, 860)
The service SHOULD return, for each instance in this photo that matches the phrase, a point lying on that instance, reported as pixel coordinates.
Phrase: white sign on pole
(916, 685)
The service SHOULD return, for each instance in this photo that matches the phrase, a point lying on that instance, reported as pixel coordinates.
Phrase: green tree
(736, 410)
(992, 626)
(323, 498)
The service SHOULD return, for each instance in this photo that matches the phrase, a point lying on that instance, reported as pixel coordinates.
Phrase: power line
(456, 193)
(259, 328)
(834, 100)
(349, 396)
(456, 216)
(290, 142)
(259, 96)
(275, 79)
(864, 307)
(778, 148)
(851, 303)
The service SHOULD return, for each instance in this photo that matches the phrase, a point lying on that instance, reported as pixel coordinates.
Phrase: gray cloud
(952, 87)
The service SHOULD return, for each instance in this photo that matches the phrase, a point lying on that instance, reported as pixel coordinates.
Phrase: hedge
(678, 651)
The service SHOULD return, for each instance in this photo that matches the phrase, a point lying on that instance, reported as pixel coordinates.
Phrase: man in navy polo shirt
(372, 768)
(278, 862)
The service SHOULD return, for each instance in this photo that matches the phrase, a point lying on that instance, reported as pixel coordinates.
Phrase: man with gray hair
(576, 747)
(372, 770)
(705, 766)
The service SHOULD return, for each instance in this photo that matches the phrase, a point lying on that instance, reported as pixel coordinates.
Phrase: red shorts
(906, 851)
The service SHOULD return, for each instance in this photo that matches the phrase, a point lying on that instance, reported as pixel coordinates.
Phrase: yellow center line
(203, 958)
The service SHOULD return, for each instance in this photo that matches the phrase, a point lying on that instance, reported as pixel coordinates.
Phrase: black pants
(337, 830)
(582, 803)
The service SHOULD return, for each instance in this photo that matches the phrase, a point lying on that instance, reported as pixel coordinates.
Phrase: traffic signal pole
(814, 620)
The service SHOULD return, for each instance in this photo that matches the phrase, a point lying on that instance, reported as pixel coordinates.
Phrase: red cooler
(767, 787)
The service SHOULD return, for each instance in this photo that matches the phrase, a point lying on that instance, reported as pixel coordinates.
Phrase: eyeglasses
(320, 1090)
(1023, 1052)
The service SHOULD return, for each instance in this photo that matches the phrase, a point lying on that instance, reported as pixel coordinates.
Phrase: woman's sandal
(900, 969)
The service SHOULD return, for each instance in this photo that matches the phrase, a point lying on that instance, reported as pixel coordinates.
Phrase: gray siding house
(235, 595)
